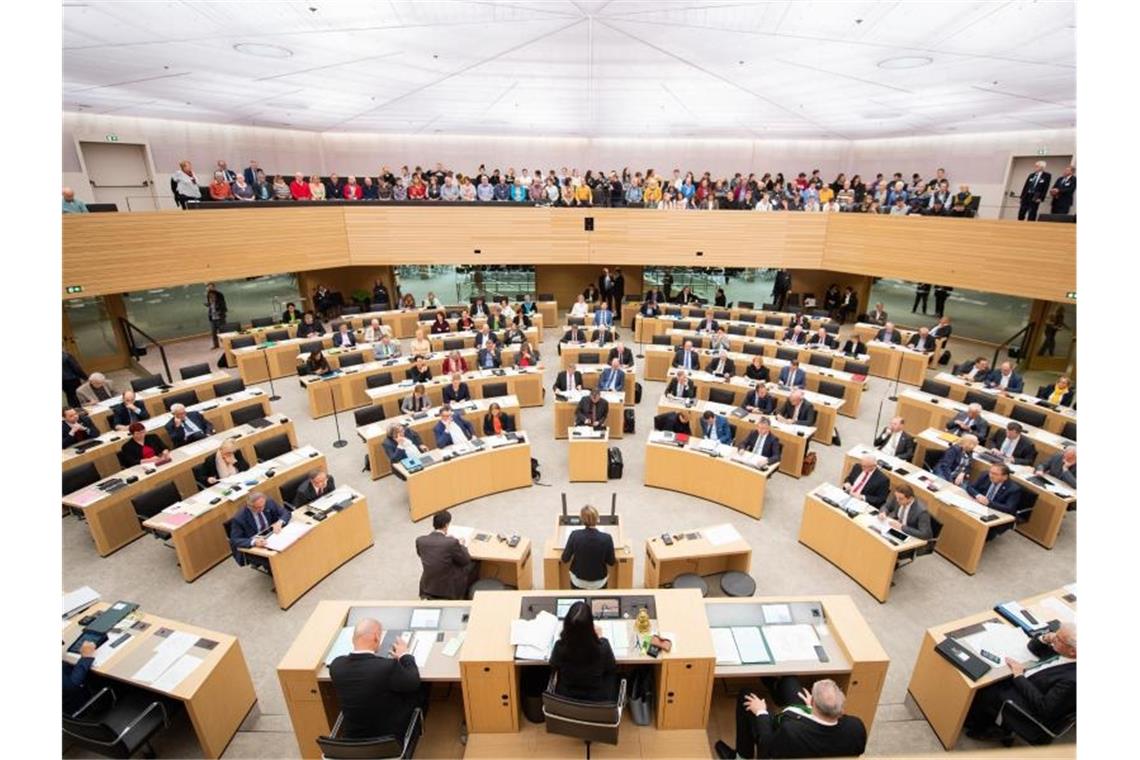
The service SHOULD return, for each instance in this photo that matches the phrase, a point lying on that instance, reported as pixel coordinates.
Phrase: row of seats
(785, 354)
(989, 402)
(375, 413)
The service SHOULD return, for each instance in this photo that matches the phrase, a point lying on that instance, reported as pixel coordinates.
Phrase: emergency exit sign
(112, 138)
(71, 289)
(1043, 150)
(1071, 295)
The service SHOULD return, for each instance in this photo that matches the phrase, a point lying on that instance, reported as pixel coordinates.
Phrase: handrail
(1027, 330)
(129, 329)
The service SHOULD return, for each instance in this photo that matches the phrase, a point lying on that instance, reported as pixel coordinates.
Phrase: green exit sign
(1072, 295)
(112, 138)
(74, 289)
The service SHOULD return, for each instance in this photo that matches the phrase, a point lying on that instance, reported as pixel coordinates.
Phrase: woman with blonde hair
(316, 187)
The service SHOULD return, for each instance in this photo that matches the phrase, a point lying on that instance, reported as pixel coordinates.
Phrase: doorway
(119, 173)
(1021, 167)
(91, 333)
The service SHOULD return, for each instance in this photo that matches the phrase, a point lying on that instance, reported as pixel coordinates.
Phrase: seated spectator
(299, 188)
(242, 191)
(368, 190)
(70, 205)
(466, 190)
(418, 190)
(77, 427)
(960, 206)
(317, 188)
(351, 191)
(384, 191)
(281, 189)
(220, 189)
(450, 190)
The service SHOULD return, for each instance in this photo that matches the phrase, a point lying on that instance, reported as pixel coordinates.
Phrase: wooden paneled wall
(568, 280)
(112, 253)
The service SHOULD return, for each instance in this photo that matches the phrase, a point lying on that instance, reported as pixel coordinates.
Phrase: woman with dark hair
(584, 660)
(440, 324)
(316, 364)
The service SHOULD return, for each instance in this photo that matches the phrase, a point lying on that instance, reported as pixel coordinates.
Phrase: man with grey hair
(811, 725)
(185, 427)
(97, 388)
(1045, 689)
(1035, 189)
(249, 528)
(378, 692)
(73, 206)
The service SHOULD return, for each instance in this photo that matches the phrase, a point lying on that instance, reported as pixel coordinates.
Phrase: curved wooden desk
(721, 479)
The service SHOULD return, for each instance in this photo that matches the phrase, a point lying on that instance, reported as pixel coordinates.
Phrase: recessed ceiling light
(262, 50)
(905, 62)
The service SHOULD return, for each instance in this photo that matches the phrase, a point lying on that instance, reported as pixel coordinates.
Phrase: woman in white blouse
(580, 307)
(420, 343)
(432, 302)
(227, 462)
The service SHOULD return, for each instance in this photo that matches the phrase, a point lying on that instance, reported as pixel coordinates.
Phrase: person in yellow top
(652, 193)
(583, 195)
(825, 195)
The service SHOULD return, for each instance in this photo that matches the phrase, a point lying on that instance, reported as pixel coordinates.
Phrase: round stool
(735, 583)
(691, 580)
(486, 584)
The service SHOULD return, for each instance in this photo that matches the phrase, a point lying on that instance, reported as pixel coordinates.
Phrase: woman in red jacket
(352, 191)
(299, 188)
(418, 190)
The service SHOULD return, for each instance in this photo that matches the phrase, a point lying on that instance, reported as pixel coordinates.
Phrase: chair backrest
(262, 321)
(379, 306)
(242, 341)
(737, 329)
(575, 321)
(753, 348)
(828, 388)
(746, 304)
(778, 321)
(721, 396)
(150, 381)
(491, 390)
(934, 388)
(546, 296)
(155, 500)
(79, 477)
(721, 314)
(186, 398)
(368, 415)
(987, 401)
(359, 749)
(277, 335)
(453, 344)
(272, 447)
(831, 327)
(289, 489)
(819, 313)
(662, 340)
(247, 414)
(1028, 416)
(229, 327)
(767, 334)
(673, 311)
(663, 421)
(589, 357)
(351, 360)
(684, 324)
(426, 315)
(311, 346)
(588, 721)
(1070, 430)
(350, 310)
(378, 380)
(787, 354)
(732, 430)
(820, 360)
(856, 368)
(194, 370)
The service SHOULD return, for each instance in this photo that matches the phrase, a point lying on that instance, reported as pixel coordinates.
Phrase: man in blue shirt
(70, 205)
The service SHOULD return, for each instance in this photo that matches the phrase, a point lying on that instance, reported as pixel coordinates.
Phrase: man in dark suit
(344, 337)
(612, 377)
(1046, 690)
(854, 346)
(77, 427)
(568, 379)
(715, 426)
(76, 690)
(954, 464)
(456, 392)
(448, 568)
(185, 427)
(922, 341)
(888, 334)
(906, 513)
(604, 334)
(792, 376)
(761, 441)
(650, 308)
(995, 490)
(686, 358)
(866, 482)
(941, 294)
(1013, 446)
(1034, 190)
(130, 410)
(970, 421)
(797, 337)
(822, 339)
(973, 369)
(797, 409)
(309, 326)
(490, 356)
(73, 376)
(485, 336)
(575, 334)
(722, 366)
(1062, 466)
(248, 528)
(708, 324)
(402, 442)
(895, 441)
(452, 428)
(680, 386)
(1005, 378)
(1063, 190)
(250, 173)
(619, 288)
(606, 287)
(878, 316)
(921, 294)
(759, 400)
(621, 353)
(378, 692)
(318, 484)
(593, 410)
(943, 330)
(781, 288)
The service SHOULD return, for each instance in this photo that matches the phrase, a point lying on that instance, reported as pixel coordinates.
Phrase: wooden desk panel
(565, 413)
(716, 479)
(153, 398)
(589, 459)
(525, 386)
(468, 477)
(693, 555)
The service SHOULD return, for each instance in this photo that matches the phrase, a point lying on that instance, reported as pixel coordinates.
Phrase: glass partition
(988, 317)
(92, 327)
(740, 284)
(179, 312)
(457, 284)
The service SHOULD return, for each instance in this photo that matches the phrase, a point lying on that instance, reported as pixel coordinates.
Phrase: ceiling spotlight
(262, 50)
(905, 62)
(858, 21)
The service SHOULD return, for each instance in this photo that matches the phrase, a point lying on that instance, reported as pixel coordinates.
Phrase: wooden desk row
(571, 353)
(592, 375)
(1005, 403)
(632, 309)
(768, 347)
(730, 478)
(867, 331)
(524, 384)
(154, 398)
(537, 322)
(466, 339)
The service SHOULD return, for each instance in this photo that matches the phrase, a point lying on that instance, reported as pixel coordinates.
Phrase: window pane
(180, 311)
(459, 284)
(740, 284)
(988, 317)
(92, 326)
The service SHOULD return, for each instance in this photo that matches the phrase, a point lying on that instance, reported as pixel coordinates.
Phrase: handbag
(809, 463)
(641, 697)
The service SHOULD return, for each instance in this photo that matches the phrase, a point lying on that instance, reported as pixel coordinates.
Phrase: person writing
(317, 364)
(582, 659)
(143, 447)
(593, 410)
(457, 391)
(448, 570)
(590, 552)
(250, 526)
(417, 402)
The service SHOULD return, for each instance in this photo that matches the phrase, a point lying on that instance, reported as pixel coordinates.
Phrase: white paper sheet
(722, 534)
(104, 652)
(451, 648)
(179, 642)
(776, 614)
(725, 646)
(617, 633)
(790, 643)
(425, 618)
(177, 672)
(1003, 641)
(534, 638)
(462, 532)
(1062, 611)
(341, 645)
(156, 666)
(421, 647)
(750, 645)
(289, 534)
(79, 599)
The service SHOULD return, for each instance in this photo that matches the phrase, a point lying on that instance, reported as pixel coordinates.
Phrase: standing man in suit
(73, 377)
(452, 428)
(849, 305)
(995, 490)
(1062, 466)
(1033, 192)
(77, 427)
(904, 512)
(1013, 446)
(686, 358)
(606, 287)
(722, 366)
(941, 293)
(922, 341)
(378, 692)
(878, 316)
(954, 465)
(921, 295)
(612, 378)
(797, 410)
(780, 289)
(621, 353)
(592, 410)
(619, 289)
(895, 441)
(317, 485)
(259, 516)
(250, 173)
(680, 386)
(792, 376)
(402, 442)
(130, 410)
(1005, 379)
(448, 568)
(715, 426)
(1063, 190)
(186, 427)
(568, 379)
(215, 310)
(866, 482)
(888, 334)
(970, 421)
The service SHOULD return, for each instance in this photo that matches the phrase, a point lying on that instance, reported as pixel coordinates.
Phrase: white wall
(981, 161)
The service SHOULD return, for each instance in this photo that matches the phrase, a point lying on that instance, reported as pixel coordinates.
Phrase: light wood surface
(153, 398)
(1055, 419)
(565, 417)
(692, 552)
(718, 479)
(525, 385)
(588, 458)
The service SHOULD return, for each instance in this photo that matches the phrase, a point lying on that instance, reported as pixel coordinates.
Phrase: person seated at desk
(1005, 378)
(454, 362)
(761, 441)
(344, 337)
(317, 485)
(527, 356)
(420, 344)
(490, 356)
(878, 316)
(797, 409)
(612, 377)
(1046, 690)
(448, 570)
(801, 319)
(407, 302)
(922, 340)
(867, 482)
(528, 308)
(457, 391)
(1012, 445)
(756, 369)
(97, 388)
(75, 688)
(721, 366)
(791, 376)
(970, 421)
(621, 353)
(77, 427)
(185, 427)
(418, 401)
(822, 339)
(854, 346)
(431, 301)
(440, 324)
(686, 358)
(386, 348)
(759, 400)
(650, 309)
(226, 462)
(603, 315)
(260, 516)
(420, 371)
(995, 490)
(514, 335)
(904, 512)
(888, 334)
(942, 331)
(479, 307)
(465, 322)
(1062, 466)
(583, 660)
(130, 410)
(1059, 393)
(686, 296)
(592, 410)
(496, 421)
(143, 447)
(973, 369)
(590, 553)
(798, 336)
(580, 308)
(954, 465)
(708, 324)
(378, 692)
(673, 422)
(811, 725)
(290, 315)
(574, 334)
(719, 341)
(452, 429)
(716, 426)
(496, 321)
(894, 441)
(604, 334)
(484, 336)
(401, 442)
(680, 386)
(316, 364)
(309, 326)
(568, 379)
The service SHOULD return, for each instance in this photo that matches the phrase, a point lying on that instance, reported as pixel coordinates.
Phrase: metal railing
(129, 330)
(1022, 350)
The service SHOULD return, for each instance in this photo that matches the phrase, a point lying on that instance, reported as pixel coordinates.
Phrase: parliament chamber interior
(568, 379)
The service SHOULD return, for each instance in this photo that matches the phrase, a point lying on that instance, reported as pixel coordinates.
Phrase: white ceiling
(591, 68)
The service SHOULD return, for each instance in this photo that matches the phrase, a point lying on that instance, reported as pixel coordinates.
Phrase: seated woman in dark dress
(583, 660)
(143, 447)
(316, 364)
(440, 325)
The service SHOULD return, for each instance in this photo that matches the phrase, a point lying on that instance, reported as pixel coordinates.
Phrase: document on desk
(289, 534)
(965, 503)
(791, 643)
(534, 638)
(461, 532)
(725, 646)
(177, 673)
(79, 599)
(165, 655)
(721, 535)
(421, 647)
(342, 644)
(105, 650)
(751, 645)
(198, 447)
(776, 614)
(1001, 640)
(451, 648)
(1062, 611)
(617, 633)
(426, 618)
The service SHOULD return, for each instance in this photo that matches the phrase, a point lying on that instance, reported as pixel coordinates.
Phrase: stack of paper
(617, 633)
(165, 654)
(462, 532)
(721, 534)
(725, 646)
(776, 614)
(425, 618)
(451, 648)
(421, 647)
(533, 639)
(1001, 640)
(791, 643)
(290, 533)
(964, 503)
(80, 599)
(751, 646)
(177, 673)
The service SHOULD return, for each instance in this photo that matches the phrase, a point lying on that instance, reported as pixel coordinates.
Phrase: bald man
(70, 205)
(378, 691)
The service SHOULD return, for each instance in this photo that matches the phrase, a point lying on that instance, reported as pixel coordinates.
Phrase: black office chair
(672, 311)
(186, 398)
(905, 558)
(334, 747)
(80, 476)
(408, 373)
(276, 335)
(1025, 505)
(352, 360)
(737, 584)
(589, 357)
(491, 390)
(721, 396)
(737, 329)
(150, 381)
(1028, 416)
(813, 417)
(369, 415)
(684, 325)
(1021, 723)
(930, 460)
(311, 346)
(820, 360)
(545, 296)
(831, 327)
(1069, 430)
(117, 726)
(576, 321)
(986, 401)
(262, 321)
(379, 380)
(453, 344)
(856, 368)
(828, 388)
(766, 334)
(664, 421)
(579, 719)
(289, 490)
(379, 306)
(427, 315)
(935, 388)
(787, 354)
(271, 448)
(793, 300)
(753, 348)
(746, 304)
(777, 321)
(194, 370)
(247, 414)
(732, 430)
(350, 310)
(225, 327)
(150, 503)
(454, 313)
(487, 584)
(662, 340)
(242, 341)
(721, 314)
